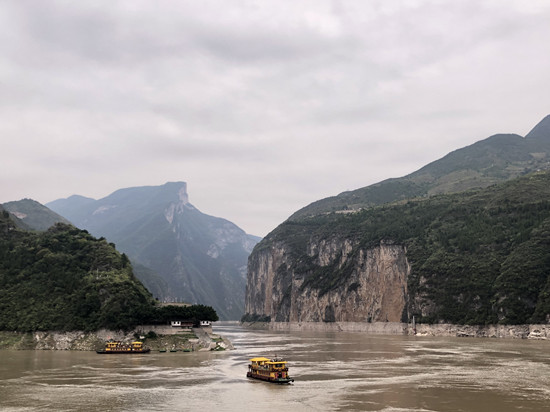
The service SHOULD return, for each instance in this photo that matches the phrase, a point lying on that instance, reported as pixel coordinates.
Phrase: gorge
(462, 241)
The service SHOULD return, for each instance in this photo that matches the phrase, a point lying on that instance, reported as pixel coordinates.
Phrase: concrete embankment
(488, 331)
(395, 328)
(376, 328)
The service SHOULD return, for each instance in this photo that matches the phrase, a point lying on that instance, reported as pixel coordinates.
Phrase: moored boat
(117, 347)
(270, 370)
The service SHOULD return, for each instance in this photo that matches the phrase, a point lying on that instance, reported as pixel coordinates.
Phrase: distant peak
(184, 196)
(177, 184)
(541, 130)
(79, 197)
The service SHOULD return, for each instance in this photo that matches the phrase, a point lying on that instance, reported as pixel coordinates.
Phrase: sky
(262, 107)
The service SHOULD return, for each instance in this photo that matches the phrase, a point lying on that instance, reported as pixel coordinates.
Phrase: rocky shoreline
(540, 332)
(198, 339)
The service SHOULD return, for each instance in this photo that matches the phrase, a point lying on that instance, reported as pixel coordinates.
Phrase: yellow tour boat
(270, 370)
(116, 347)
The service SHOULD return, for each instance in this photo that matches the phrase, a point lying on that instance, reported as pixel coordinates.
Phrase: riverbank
(540, 332)
(197, 339)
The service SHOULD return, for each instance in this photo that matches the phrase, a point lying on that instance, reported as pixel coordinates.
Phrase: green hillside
(477, 257)
(65, 279)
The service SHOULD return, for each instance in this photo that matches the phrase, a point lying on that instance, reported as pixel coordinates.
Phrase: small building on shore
(182, 324)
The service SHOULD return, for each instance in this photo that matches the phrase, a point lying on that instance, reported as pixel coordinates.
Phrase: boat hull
(122, 352)
(269, 379)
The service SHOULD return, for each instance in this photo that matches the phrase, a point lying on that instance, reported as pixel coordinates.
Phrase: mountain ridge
(193, 256)
(494, 159)
(33, 214)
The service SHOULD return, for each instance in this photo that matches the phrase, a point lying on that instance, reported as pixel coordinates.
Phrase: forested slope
(476, 257)
(65, 279)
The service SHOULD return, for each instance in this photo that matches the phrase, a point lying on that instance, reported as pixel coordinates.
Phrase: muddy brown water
(332, 372)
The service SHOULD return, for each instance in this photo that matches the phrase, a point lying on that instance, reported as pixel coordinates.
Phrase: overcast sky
(262, 107)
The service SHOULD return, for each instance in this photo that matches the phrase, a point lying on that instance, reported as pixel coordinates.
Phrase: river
(332, 372)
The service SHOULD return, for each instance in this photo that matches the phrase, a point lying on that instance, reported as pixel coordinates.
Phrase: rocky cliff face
(374, 291)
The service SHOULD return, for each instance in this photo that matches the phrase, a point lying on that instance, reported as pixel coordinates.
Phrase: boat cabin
(273, 370)
(117, 346)
(137, 345)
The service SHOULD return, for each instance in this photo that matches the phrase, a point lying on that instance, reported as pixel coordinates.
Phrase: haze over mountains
(179, 253)
(489, 161)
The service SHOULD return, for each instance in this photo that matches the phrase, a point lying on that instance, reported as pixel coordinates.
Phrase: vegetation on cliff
(477, 257)
(65, 279)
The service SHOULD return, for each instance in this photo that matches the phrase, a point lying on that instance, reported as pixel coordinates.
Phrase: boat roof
(267, 360)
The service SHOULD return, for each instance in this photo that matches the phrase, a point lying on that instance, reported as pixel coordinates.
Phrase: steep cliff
(479, 257)
(374, 291)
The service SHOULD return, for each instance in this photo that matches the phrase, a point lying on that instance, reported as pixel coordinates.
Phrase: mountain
(179, 253)
(64, 279)
(477, 257)
(35, 215)
(496, 159)
(539, 134)
(73, 204)
(448, 243)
